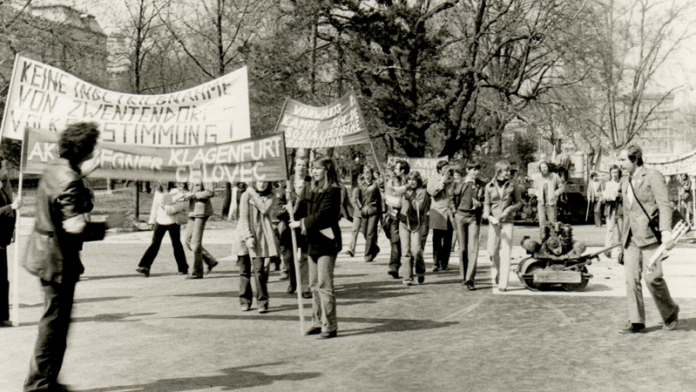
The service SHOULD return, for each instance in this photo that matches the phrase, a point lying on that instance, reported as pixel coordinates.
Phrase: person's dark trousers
(51, 341)
(468, 227)
(246, 295)
(395, 252)
(426, 229)
(157, 236)
(4, 286)
(247, 267)
(442, 246)
(598, 214)
(371, 234)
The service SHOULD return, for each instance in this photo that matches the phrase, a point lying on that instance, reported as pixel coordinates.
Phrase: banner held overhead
(256, 159)
(48, 98)
(335, 125)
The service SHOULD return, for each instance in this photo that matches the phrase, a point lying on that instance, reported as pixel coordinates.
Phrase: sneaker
(245, 308)
(436, 268)
(394, 274)
(350, 253)
(193, 276)
(307, 295)
(671, 322)
(470, 286)
(263, 309)
(421, 279)
(633, 328)
(290, 290)
(143, 270)
(182, 273)
(408, 282)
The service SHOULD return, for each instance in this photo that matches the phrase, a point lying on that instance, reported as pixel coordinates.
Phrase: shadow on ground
(380, 325)
(232, 379)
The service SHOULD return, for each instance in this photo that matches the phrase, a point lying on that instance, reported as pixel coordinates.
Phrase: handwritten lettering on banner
(255, 159)
(427, 167)
(44, 97)
(339, 124)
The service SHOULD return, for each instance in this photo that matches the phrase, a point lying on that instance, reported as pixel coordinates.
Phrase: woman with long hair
(318, 216)
(415, 205)
(168, 213)
(259, 243)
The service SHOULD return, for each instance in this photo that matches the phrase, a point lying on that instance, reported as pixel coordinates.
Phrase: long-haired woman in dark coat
(318, 216)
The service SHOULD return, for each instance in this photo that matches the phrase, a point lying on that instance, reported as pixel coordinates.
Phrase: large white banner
(46, 98)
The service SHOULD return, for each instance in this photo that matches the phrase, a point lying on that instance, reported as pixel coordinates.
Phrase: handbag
(654, 220)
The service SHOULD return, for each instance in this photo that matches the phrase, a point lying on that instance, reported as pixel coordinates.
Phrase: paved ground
(164, 334)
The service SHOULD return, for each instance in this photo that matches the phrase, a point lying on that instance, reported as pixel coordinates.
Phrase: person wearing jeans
(613, 209)
(200, 209)
(415, 203)
(468, 200)
(502, 199)
(260, 241)
(357, 217)
(318, 216)
(548, 187)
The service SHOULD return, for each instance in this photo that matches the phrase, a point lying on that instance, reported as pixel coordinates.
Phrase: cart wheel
(528, 267)
(577, 286)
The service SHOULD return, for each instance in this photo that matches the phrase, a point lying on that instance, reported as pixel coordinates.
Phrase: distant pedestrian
(7, 225)
(394, 187)
(357, 217)
(468, 202)
(168, 213)
(200, 209)
(318, 216)
(613, 209)
(441, 190)
(415, 204)
(370, 206)
(501, 201)
(548, 187)
(594, 198)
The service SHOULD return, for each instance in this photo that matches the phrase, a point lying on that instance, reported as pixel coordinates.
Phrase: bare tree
(637, 39)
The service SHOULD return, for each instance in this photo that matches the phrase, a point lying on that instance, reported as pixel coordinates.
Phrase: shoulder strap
(630, 184)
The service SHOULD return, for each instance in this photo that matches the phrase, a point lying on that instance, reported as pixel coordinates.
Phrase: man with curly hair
(53, 254)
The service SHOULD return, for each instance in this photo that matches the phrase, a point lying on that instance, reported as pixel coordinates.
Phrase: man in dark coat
(53, 252)
(7, 225)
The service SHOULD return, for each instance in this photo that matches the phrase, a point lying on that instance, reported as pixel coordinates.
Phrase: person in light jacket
(415, 204)
(259, 241)
(548, 187)
(644, 192)
(167, 215)
(200, 209)
(441, 190)
(502, 199)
